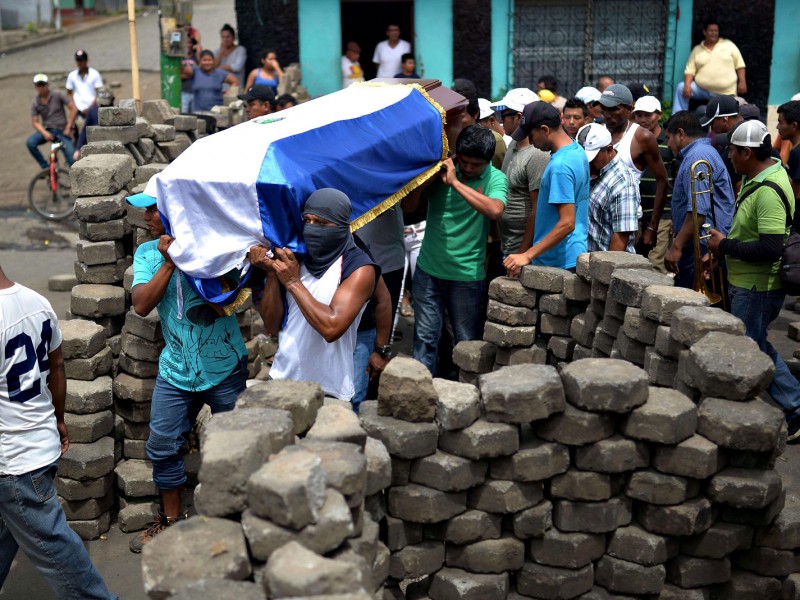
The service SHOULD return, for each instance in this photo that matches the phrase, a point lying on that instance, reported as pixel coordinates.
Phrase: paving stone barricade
(562, 469)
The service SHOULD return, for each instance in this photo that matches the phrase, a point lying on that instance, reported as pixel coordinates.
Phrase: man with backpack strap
(754, 247)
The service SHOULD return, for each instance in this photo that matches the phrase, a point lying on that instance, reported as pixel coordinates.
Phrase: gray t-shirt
(383, 236)
(52, 113)
(235, 60)
(524, 168)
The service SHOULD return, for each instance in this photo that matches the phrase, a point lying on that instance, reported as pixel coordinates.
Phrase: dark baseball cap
(720, 106)
(258, 92)
(535, 115)
(638, 90)
(616, 95)
(81, 55)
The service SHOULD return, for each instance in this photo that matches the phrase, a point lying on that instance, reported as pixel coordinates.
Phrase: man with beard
(204, 361)
(325, 296)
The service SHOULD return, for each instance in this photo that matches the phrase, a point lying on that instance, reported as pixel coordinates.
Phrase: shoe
(794, 431)
(144, 537)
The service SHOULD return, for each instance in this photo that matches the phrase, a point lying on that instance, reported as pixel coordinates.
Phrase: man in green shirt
(753, 249)
(468, 194)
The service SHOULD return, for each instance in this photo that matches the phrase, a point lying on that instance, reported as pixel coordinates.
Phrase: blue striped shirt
(613, 204)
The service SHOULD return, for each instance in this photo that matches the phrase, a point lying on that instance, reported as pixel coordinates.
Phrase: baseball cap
(720, 106)
(750, 111)
(535, 115)
(648, 104)
(615, 95)
(750, 134)
(141, 200)
(546, 96)
(588, 94)
(516, 99)
(486, 109)
(593, 138)
(81, 55)
(40, 78)
(258, 92)
(638, 89)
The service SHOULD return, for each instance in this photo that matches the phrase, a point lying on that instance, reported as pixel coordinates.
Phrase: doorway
(365, 22)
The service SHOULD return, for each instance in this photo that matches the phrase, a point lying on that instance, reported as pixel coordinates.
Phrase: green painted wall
(320, 45)
(679, 44)
(785, 69)
(502, 66)
(433, 39)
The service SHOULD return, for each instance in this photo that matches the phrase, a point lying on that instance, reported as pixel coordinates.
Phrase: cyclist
(50, 121)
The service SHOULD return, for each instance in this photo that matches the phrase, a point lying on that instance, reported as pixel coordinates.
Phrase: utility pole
(137, 95)
(175, 16)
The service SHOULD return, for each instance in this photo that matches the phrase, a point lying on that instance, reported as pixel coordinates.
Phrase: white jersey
(304, 355)
(388, 59)
(84, 89)
(29, 331)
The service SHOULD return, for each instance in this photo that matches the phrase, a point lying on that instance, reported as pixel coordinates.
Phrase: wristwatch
(384, 351)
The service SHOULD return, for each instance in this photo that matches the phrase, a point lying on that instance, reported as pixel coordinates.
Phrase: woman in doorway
(269, 73)
(230, 56)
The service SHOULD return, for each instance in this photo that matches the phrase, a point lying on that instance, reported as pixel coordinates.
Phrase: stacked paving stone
(284, 482)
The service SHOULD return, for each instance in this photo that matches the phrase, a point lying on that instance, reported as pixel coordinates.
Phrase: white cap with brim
(588, 94)
(141, 200)
(648, 104)
(750, 134)
(40, 78)
(485, 108)
(516, 99)
(593, 138)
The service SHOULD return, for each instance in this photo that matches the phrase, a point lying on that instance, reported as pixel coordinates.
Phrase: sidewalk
(20, 39)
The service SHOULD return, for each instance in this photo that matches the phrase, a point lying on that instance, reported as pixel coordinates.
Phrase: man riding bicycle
(50, 121)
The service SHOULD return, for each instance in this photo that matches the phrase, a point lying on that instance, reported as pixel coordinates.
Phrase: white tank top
(304, 355)
(623, 148)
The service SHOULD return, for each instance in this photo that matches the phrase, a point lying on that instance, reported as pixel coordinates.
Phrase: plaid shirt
(613, 204)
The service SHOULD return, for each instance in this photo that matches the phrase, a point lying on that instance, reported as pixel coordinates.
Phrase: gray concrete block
(125, 134)
(506, 553)
(576, 427)
(344, 465)
(718, 541)
(401, 438)
(533, 522)
(561, 347)
(421, 504)
(511, 291)
(452, 584)
(101, 175)
(603, 264)
(560, 306)
(337, 424)
(536, 354)
(688, 518)
(116, 116)
(692, 572)
(592, 517)
(696, 457)
(100, 253)
(605, 385)
(745, 488)
(220, 589)
(552, 325)
(501, 496)
(447, 472)
(619, 575)
(100, 231)
(138, 368)
(554, 583)
(585, 485)
(89, 300)
(135, 478)
(506, 336)
(634, 544)
(466, 528)
(659, 302)
(400, 534)
(98, 274)
(458, 405)
(133, 388)
(88, 461)
(85, 429)
(660, 370)
(612, 455)
(631, 349)
(103, 147)
(784, 532)
(406, 391)
(73, 489)
(482, 439)
(658, 488)
(510, 315)
(191, 550)
(379, 466)
(522, 393)
(139, 348)
(569, 550)
(691, 323)
(289, 489)
(543, 279)
(301, 398)
(148, 327)
(475, 356)
(727, 366)
(163, 133)
(91, 529)
(668, 417)
(135, 516)
(752, 425)
(576, 289)
(627, 285)
(98, 209)
(413, 562)
(743, 584)
(81, 338)
(88, 509)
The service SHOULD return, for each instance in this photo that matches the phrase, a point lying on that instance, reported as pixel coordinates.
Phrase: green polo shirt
(761, 212)
(454, 247)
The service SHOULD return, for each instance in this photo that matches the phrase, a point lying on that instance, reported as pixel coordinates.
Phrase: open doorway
(365, 22)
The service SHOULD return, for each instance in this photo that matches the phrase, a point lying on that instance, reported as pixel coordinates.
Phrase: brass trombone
(698, 175)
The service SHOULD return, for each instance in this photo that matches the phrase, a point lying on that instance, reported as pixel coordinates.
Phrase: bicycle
(50, 190)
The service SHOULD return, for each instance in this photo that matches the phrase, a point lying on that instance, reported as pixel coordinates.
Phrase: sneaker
(143, 537)
(794, 431)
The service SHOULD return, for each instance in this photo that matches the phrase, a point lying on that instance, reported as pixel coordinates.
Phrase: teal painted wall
(679, 44)
(433, 39)
(320, 45)
(501, 57)
(785, 69)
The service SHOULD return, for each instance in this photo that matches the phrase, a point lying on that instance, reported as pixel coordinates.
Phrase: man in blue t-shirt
(562, 212)
(204, 361)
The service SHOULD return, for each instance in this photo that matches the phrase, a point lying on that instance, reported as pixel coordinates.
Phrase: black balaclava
(327, 243)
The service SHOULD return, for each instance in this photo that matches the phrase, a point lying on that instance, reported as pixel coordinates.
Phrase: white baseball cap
(593, 138)
(588, 94)
(486, 108)
(516, 99)
(648, 104)
(40, 78)
(749, 134)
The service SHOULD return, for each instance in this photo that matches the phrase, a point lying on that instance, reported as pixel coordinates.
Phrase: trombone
(704, 175)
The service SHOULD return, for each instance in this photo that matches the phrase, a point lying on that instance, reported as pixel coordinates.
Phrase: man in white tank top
(325, 297)
(636, 147)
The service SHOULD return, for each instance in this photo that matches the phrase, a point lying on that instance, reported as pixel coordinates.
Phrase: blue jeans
(365, 343)
(172, 414)
(757, 310)
(432, 295)
(37, 139)
(31, 518)
(681, 103)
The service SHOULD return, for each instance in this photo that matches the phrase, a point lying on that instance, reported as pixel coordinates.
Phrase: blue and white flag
(247, 185)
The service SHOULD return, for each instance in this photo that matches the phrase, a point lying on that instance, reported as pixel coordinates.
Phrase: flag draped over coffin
(247, 185)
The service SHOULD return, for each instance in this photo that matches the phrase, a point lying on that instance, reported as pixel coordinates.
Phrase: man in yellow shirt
(715, 66)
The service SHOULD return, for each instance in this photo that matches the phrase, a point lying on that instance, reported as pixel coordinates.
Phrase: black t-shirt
(793, 164)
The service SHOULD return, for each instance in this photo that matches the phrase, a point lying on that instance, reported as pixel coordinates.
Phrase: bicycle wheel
(47, 203)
